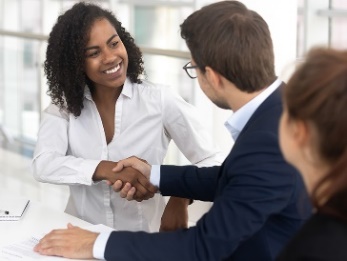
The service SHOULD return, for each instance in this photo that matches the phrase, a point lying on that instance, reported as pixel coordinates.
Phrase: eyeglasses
(191, 70)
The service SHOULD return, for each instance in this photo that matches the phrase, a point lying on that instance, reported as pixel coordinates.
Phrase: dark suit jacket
(322, 238)
(259, 202)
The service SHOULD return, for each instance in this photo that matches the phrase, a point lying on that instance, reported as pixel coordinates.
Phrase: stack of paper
(23, 250)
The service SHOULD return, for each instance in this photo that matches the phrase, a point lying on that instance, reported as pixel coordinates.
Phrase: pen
(6, 212)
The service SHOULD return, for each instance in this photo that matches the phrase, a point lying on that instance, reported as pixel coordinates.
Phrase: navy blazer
(259, 202)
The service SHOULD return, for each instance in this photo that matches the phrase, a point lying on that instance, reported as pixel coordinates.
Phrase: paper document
(12, 209)
(24, 250)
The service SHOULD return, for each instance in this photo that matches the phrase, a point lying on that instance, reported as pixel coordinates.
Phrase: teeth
(113, 70)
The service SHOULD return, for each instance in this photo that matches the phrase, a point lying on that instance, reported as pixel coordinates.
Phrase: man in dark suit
(259, 200)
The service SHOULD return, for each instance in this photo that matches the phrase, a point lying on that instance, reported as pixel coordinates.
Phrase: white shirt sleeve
(50, 162)
(185, 125)
(100, 245)
(155, 175)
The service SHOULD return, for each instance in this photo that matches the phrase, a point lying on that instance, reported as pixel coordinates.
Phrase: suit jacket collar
(274, 99)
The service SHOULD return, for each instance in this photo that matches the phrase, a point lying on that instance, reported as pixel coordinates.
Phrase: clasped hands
(129, 177)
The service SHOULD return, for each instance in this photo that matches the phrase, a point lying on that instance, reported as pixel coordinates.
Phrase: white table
(38, 219)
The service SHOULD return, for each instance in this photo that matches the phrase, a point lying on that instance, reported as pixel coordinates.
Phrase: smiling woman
(106, 61)
(102, 112)
(106, 65)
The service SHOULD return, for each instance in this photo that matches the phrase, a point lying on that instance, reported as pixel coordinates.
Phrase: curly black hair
(65, 55)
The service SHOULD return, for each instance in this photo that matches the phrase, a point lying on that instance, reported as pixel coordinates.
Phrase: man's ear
(213, 77)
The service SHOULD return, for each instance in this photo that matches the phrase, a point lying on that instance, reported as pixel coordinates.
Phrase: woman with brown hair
(313, 138)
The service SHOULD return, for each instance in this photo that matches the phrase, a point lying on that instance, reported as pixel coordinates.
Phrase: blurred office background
(296, 26)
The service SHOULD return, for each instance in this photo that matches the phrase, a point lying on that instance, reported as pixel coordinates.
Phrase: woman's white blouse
(147, 117)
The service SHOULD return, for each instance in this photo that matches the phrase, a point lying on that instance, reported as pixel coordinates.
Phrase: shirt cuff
(100, 245)
(155, 175)
(88, 168)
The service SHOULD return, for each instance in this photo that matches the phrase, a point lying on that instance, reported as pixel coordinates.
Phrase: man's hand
(133, 178)
(175, 215)
(136, 163)
(128, 189)
(72, 242)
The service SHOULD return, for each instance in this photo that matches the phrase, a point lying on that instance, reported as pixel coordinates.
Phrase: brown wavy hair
(317, 93)
(64, 64)
(234, 41)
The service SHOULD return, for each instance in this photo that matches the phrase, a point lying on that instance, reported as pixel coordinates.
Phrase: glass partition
(158, 26)
(19, 88)
(339, 25)
(153, 23)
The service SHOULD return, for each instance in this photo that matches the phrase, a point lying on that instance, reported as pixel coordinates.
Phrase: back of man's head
(232, 40)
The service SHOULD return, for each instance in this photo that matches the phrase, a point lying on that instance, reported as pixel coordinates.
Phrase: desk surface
(37, 219)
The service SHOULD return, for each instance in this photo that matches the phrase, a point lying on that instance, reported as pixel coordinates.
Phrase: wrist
(184, 202)
(103, 171)
(97, 176)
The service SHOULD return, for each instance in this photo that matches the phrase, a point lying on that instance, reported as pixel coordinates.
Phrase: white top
(148, 116)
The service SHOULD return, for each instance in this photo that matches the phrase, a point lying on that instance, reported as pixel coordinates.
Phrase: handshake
(129, 177)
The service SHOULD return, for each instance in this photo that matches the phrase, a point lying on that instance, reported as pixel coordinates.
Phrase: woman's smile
(114, 72)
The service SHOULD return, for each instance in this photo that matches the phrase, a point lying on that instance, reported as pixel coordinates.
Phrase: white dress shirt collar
(237, 121)
(126, 91)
